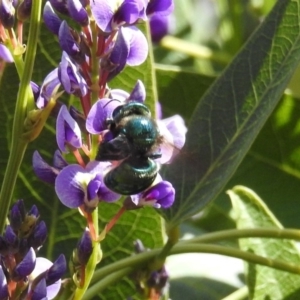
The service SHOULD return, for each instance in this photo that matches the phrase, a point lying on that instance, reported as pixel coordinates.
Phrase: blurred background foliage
(206, 34)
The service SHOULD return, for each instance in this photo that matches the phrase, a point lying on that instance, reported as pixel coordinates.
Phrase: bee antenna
(110, 102)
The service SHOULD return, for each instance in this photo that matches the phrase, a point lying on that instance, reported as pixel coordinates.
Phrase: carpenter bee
(134, 140)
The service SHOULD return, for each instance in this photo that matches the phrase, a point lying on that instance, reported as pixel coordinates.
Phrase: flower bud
(77, 12)
(51, 19)
(24, 10)
(57, 270)
(5, 54)
(25, 267)
(7, 14)
(17, 215)
(4, 295)
(84, 248)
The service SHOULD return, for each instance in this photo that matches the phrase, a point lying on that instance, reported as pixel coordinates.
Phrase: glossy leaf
(230, 115)
(264, 282)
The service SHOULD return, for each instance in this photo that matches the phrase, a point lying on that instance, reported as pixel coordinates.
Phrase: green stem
(24, 103)
(107, 281)
(239, 294)
(276, 233)
(91, 265)
(141, 259)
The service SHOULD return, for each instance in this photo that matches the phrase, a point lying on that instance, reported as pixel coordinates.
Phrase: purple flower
(76, 186)
(3, 285)
(51, 19)
(69, 41)
(77, 12)
(70, 77)
(43, 170)
(138, 93)
(173, 131)
(7, 14)
(161, 7)
(25, 267)
(109, 18)
(159, 26)
(48, 89)
(40, 273)
(17, 215)
(67, 130)
(84, 248)
(131, 48)
(100, 112)
(60, 6)
(24, 10)
(5, 54)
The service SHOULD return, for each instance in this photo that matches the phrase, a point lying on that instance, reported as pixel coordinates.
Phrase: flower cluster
(116, 141)
(116, 42)
(22, 274)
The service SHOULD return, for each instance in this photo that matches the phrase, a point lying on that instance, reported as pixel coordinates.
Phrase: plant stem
(93, 260)
(239, 294)
(141, 259)
(24, 102)
(276, 233)
(107, 281)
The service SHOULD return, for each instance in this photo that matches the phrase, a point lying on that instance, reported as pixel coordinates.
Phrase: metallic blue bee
(135, 141)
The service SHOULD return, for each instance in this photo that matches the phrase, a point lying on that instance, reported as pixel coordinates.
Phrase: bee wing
(172, 131)
(114, 149)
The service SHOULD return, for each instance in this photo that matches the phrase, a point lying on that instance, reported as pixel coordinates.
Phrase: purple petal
(99, 113)
(158, 110)
(3, 286)
(42, 265)
(173, 131)
(163, 193)
(26, 266)
(93, 187)
(58, 161)
(129, 12)
(60, 6)
(162, 7)
(119, 94)
(100, 168)
(139, 92)
(51, 19)
(103, 14)
(57, 270)
(49, 87)
(70, 77)
(84, 247)
(7, 14)
(5, 54)
(42, 169)
(17, 215)
(68, 43)
(69, 185)
(67, 130)
(39, 291)
(138, 46)
(78, 12)
(159, 26)
(38, 238)
(120, 52)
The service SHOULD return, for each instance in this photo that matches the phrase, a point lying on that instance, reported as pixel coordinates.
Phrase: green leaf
(230, 115)
(179, 90)
(264, 282)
